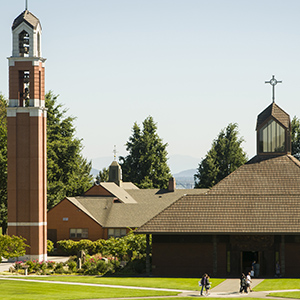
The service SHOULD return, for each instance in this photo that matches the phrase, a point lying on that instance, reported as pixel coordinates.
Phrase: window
(116, 232)
(79, 233)
(272, 138)
(24, 43)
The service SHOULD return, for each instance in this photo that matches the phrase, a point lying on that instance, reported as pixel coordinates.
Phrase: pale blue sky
(193, 65)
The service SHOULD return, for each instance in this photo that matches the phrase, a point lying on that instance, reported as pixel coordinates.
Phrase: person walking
(248, 282)
(203, 283)
(243, 287)
(208, 285)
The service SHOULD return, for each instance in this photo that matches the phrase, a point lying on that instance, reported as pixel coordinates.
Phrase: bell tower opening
(24, 44)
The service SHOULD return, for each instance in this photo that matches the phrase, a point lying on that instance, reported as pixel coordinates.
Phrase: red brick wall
(76, 219)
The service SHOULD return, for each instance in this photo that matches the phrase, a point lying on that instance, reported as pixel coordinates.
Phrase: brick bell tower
(26, 137)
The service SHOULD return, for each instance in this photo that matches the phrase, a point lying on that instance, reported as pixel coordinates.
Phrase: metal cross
(273, 82)
(115, 152)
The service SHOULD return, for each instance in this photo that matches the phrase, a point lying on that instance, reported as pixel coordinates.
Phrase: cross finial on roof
(115, 152)
(273, 82)
(26, 4)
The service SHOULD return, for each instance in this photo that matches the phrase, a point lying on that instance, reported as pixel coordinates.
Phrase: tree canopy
(146, 164)
(68, 172)
(103, 175)
(225, 156)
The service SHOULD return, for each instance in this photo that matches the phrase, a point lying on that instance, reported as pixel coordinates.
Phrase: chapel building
(251, 215)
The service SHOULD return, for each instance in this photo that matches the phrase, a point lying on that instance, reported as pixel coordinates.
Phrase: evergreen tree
(146, 164)
(3, 164)
(103, 175)
(225, 156)
(296, 137)
(68, 172)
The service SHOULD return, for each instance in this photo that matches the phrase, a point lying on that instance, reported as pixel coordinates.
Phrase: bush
(50, 246)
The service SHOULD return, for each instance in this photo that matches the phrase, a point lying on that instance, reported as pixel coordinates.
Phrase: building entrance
(247, 259)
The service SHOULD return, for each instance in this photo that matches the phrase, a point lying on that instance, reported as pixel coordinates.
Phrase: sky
(193, 65)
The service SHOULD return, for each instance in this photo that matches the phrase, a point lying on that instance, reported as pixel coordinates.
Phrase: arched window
(24, 43)
(272, 138)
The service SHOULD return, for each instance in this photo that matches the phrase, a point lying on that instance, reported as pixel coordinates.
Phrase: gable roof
(27, 17)
(275, 111)
(262, 196)
(110, 214)
(118, 192)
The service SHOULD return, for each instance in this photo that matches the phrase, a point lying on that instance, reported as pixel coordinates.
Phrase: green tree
(103, 175)
(3, 164)
(225, 156)
(12, 246)
(68, 172)
(146, 164)
(296, 137)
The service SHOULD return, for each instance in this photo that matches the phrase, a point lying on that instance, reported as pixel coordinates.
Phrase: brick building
(252, 214)
(109, 209)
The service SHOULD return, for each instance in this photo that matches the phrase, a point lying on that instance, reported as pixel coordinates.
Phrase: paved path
(227, 289)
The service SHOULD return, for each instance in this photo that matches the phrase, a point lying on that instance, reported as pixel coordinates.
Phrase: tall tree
(103, 175)
(68, 171)
(3, 164)
(225, 156)
(146, 164)
(296, 137)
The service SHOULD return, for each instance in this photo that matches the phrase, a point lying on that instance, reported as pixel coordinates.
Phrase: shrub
(67, 246)
(50, 246)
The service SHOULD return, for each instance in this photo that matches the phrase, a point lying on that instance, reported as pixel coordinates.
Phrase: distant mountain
(177, 163)
(101, 162)
(186, 173)
(94, 172)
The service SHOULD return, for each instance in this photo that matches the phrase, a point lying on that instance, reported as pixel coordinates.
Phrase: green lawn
(170, 283)
(295, 295)
(22, 290)
(278, 284)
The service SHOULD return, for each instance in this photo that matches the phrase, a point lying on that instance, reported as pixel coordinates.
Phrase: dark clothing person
(203, 284)
(243, 287)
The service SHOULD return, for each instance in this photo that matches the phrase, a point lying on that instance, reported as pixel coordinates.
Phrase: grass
(278, 284)
(295, 295)
(170, 283)
(22, 290)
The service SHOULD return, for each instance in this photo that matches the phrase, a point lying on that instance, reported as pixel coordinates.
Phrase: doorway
(247, 259)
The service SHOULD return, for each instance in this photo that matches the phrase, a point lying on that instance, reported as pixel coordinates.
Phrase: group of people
(204, 283)
(246, 283)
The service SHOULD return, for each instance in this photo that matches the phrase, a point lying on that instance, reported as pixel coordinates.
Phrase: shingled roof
(275, 111)
(27, 17)
(111, 214)
(263, 175)
(227, 214)
(262, 196)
